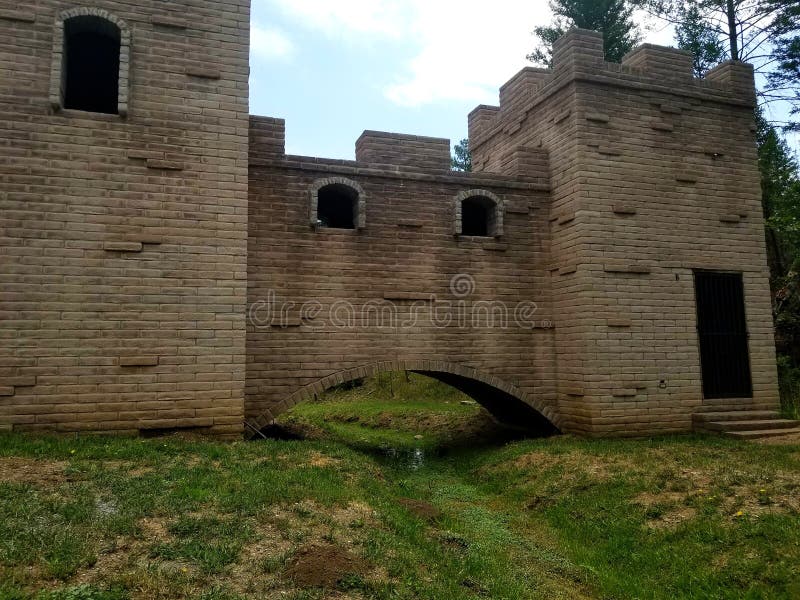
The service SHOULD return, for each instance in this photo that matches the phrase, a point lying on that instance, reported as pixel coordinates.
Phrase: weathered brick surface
(165, 269)
(659, 171)
(364, 287)
(123, 238)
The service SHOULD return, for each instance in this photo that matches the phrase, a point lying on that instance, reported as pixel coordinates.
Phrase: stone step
(736, 415)
(749, 425)
(763, 434)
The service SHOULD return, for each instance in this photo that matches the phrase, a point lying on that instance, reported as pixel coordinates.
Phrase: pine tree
(462, 158)
(697, 37)
(765, 33)
(613, 18)
(780, 186)
(783, 81)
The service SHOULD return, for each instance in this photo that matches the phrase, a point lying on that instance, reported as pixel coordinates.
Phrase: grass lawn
(402, 490)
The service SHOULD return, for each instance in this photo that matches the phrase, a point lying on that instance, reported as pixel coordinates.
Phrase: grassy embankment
(402, 492)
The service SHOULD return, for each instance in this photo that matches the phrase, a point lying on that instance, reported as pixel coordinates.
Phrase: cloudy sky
(334, 69)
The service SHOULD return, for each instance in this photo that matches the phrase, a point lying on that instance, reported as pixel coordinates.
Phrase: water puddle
(411, 459)
(106, 508)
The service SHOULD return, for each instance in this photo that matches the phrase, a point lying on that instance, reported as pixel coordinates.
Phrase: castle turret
(124, 214)
(655, 197)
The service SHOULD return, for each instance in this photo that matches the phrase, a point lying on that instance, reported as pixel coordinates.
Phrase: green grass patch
(90, 518)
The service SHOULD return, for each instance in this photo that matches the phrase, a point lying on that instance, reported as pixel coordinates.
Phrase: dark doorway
(337, 207)
(91, 69)
(722, 329)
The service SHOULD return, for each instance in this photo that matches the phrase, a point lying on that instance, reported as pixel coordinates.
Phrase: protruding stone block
(525, 161)
(426, 153)
(21, 16)
(267, 138)
(164, 165)
(123, 246)
(737, 76)
(578, 47)
(168, 21)
(482, 119)
(203, 73)
(660, 62)
(138, 361)
(524, 85)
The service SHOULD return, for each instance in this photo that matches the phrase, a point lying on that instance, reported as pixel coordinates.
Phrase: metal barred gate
(722, 331)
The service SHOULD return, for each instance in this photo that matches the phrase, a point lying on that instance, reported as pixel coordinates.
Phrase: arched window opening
(478, 213)
(475, 215)
(337, 207)
(479, 217)
(91, 66)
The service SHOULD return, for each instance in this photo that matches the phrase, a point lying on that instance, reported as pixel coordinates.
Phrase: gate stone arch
(503, 400)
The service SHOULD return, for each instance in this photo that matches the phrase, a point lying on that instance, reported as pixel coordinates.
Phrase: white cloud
(270, 43)
(655, 31)
(342, 18)
(465, 49)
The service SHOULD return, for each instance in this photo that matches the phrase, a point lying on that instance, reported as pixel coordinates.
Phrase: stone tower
(123, 211)
(654, 182)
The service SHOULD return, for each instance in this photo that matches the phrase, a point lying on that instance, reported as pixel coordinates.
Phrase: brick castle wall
(367, 286)
(163, 268)
(123, 280)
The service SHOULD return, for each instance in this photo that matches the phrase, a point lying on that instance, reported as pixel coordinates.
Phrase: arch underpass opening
(506, 406)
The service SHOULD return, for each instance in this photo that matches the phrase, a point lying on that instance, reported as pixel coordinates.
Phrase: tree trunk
(733, 32)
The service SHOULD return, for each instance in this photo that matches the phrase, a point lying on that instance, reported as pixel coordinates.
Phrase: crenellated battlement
(267, 138)
(382, 148)
(578, 58)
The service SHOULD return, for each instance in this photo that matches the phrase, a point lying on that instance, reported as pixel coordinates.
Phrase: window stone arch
(57, 67)
(360, 207)
(496, 218)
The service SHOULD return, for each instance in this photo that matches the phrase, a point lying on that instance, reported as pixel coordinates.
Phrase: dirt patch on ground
(128, 467)
(648, 499)
(535, 460)
(323, 566)
(254, 574)
(354, 514)
(785, 440)
(317, 459)
(575, 464)
(110, 560)
(35, 472)
(155, 529)
(127, 553)
(422, 509)
(665, 510)
(670, 508)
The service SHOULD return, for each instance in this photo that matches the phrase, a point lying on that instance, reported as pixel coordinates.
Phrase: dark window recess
(91, 65)
(722, 329)
(477, 217)
(337, 207)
